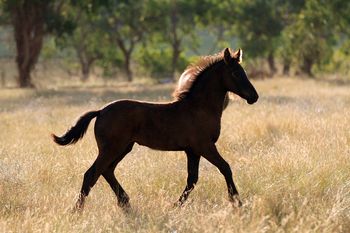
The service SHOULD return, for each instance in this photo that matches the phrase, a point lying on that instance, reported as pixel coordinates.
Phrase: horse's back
(155, 125)
(125, 114)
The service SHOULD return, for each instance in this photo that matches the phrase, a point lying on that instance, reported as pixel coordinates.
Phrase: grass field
(290, 156)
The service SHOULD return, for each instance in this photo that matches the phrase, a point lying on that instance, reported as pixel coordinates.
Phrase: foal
(190, 123)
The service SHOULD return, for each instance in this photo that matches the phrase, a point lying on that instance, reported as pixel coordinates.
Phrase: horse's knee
(90, 178)
(192, 178)
(226, 170)
(89, 173)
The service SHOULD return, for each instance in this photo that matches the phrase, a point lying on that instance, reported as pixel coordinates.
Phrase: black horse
(190, 123)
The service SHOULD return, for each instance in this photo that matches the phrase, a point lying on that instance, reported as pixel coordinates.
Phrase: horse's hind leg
(108, 174)
(102, 162)
(192, 177)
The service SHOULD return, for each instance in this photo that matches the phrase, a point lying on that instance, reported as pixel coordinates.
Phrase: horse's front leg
(213, 156)
(192, 178)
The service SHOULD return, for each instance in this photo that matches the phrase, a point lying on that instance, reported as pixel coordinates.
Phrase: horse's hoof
(77, 209)
(236, 202)
(178, 204)
(124, 204)
(125, 207)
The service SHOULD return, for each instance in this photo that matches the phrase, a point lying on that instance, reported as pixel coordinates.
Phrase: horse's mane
(192, 72)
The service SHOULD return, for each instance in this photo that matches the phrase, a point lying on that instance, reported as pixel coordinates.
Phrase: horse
(190, 123)
(185, 79)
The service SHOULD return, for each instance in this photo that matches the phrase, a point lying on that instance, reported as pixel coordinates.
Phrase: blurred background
(289, 152)
(81, 42)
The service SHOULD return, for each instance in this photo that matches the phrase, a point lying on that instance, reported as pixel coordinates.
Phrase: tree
(258, 25)
(156, 60)
(311, 35)
(125, 23)
(213, 24)
(288, 10)
(86, 40)
(31, 21)
(176, 20)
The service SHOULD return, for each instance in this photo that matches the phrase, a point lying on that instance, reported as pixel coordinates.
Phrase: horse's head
(235, 79)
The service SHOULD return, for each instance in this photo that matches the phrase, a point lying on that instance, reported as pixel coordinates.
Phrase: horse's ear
(238, 55)
(227, 56)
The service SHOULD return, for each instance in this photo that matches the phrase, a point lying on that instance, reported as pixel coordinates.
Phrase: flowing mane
(192, 72)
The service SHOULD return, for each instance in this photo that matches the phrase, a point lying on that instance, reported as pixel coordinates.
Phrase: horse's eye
(235, 74)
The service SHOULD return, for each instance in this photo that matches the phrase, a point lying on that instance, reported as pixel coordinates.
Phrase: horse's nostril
(253, 99)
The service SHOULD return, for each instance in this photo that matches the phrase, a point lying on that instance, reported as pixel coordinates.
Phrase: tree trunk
(306, 66)
(28, 22)
(24, 78)
(127, 56)
(174, 61)
(271, 62)
(85, 71)
(86, 60)
(127, 69)
(286, 68)
(3, 80)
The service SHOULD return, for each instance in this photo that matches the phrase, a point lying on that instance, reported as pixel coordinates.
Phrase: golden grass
(289, 153)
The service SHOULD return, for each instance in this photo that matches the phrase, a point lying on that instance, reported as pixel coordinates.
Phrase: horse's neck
(209, 94)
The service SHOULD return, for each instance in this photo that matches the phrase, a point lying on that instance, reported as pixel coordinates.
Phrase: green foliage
(302, 32)
(156, 61)
(340, 60)
(176, 20)
(299, 33)
(4, 18)
(259, 24)
(125, 25)
(56, 21)
(311, 36)
(85, 40)
(111, 61)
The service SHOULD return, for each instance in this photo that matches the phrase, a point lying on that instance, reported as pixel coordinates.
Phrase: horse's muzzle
(253, 99)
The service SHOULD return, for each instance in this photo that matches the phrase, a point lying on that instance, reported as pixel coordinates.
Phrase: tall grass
(290, 156)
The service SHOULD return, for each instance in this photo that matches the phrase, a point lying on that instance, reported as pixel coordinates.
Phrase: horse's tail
(77, 131)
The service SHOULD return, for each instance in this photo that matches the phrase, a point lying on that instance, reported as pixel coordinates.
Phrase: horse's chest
(209, 130)
(215, 133)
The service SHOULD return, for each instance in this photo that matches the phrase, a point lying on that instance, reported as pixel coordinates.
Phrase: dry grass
(289, 153)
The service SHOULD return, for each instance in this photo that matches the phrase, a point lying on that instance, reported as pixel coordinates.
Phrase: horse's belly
(163, 147)
(161, 140)
(161, 144)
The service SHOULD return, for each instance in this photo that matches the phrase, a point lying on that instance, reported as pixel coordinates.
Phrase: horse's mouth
(252, 100)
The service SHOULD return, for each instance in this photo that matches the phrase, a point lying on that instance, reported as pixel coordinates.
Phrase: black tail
(77, 131)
